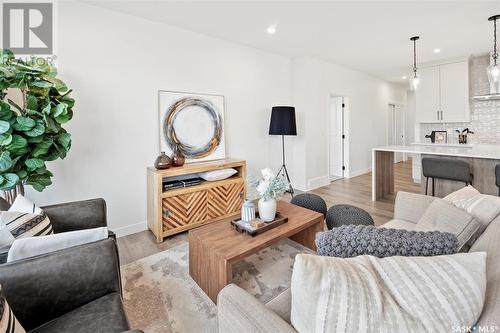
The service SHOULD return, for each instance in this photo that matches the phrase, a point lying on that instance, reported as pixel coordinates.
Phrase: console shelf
(178, 210)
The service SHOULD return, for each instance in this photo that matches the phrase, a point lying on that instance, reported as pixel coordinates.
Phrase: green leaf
(17, 142)
(34, 163)
(38, 130)
(41, 84)
(51, 125)
(42, 148)
(10, 180)
(64, 139)
(5, 112)
(35, 139)
(59, 85)
(46, 109)
(5, 161)
(4, 126)
(24, 124)
(31, 102)
(60, 109)
(6, 55)
(62, 119)
(5, 139)
(22, 174)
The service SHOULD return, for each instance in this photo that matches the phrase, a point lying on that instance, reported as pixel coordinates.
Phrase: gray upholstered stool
(346, 214)
(497, 175)
(445, 169)
(310, 201)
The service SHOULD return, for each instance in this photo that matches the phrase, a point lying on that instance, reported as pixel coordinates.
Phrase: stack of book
(175, 184)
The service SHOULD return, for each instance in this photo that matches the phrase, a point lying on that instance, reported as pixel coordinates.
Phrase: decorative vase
(247, 211)
(11, 195)
(177, 157)
(163, 161)
(267, 209)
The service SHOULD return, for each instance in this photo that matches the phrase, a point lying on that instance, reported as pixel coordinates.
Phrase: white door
(336, 129)
(396, 129)
(455, 92)
(427, 96)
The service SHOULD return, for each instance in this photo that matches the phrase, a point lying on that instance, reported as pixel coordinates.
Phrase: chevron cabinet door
(225, 199)
(185, 209)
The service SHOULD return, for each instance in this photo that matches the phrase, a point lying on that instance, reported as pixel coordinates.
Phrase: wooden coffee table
(215, 247)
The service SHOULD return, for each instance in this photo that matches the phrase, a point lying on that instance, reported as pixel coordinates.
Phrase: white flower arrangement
(271, 186)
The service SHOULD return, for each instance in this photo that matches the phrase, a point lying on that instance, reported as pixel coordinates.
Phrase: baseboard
(131, 229)
(358, 173)
(317, 182)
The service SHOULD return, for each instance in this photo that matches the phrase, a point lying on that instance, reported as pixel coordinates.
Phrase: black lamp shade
(283, 121)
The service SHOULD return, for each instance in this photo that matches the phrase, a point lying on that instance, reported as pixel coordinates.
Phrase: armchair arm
(77, 215)
(45, 287)
(238, 311)
(411, 206)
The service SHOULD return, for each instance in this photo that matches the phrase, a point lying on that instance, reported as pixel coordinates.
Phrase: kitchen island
(481, 158)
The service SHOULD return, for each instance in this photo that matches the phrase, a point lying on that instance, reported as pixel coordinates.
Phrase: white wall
(314, 82)
(411, 108)
(116, 64)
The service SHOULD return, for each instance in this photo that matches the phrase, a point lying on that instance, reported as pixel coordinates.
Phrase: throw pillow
(8, 322)
(443, 216)
(217, 174)
(355, 240)
(33, 246)
(24, 205)
(484, 208)
(22, 225)
(394, 294)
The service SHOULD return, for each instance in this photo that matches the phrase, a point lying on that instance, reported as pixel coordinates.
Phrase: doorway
(337, 137)
(396, 120)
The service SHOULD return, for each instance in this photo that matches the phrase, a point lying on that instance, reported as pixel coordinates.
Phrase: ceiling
(370, 36)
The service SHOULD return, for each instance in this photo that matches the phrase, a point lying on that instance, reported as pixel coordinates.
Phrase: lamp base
(285, 172)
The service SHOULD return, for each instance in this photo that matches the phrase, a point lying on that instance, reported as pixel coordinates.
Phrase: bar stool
(497, 175)
(445, 169)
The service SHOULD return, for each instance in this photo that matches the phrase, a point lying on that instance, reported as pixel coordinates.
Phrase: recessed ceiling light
(437, 50)
(404, 77)
(271, 30)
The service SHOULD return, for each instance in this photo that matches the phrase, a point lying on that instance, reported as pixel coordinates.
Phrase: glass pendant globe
(414, 82)
(493, 73)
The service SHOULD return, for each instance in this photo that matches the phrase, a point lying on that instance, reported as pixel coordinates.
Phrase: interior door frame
(402, 107)
(346, 134)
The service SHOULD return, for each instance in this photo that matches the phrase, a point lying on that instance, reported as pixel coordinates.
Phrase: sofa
(72, 290)
(70, 216)
(238, 311)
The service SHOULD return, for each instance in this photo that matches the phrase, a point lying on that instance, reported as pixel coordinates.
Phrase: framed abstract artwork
(192, 122)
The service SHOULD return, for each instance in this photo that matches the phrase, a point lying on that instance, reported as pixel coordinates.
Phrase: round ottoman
(346, 214)
(310, 201)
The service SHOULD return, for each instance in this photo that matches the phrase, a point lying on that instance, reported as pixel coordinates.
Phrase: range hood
(493, 95)
(487, 97)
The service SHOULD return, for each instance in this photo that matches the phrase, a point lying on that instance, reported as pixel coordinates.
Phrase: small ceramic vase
(163, 161)
(247, 211)
(177, 157)
(267, 209)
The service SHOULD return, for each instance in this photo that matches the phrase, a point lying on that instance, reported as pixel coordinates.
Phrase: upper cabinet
(443, 95)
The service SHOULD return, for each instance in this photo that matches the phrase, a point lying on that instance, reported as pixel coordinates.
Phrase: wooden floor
(354, 191)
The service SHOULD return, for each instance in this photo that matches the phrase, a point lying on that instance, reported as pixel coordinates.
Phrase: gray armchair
(72, 290)
(71, 216)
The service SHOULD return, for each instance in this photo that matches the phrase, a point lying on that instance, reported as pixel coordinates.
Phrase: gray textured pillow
(355, 240)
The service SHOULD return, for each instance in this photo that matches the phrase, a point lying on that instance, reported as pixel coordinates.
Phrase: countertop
(476, 151)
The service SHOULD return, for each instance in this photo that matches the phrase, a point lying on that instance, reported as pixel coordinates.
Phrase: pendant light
(494, 68)
(414, 79)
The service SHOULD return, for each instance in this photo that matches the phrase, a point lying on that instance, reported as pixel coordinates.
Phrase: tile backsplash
(485, 115)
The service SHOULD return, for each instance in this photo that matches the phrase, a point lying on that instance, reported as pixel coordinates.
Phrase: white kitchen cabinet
(443, 94)
(427, 95)
(455, 92)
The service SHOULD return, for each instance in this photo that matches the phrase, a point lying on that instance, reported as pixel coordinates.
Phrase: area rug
(160, 296)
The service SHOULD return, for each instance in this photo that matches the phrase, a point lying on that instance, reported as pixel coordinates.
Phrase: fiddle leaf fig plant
(31, 126)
